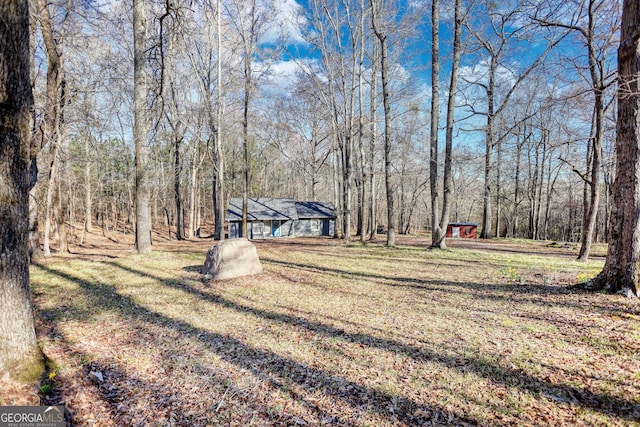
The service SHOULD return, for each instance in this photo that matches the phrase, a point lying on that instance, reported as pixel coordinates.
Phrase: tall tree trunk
(498, 186)
(451, 107)
(35, 252)
(34, 235)
(373, 223)
(61, 218)
(436, 231)
(594, 183)
(194, 189)
(347, 174)
(20, 356)
(51, 184)
(249, 37)
(141, 129)
(88, 225)
(362, 189)
(621, 270)
(218, 155)
(177, 175)
(391, 213)
(51, 123)
(245, 148)
(520, 140)
(540, 185)
(488, 156)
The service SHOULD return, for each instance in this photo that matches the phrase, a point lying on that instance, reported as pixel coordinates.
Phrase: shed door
(455, 232)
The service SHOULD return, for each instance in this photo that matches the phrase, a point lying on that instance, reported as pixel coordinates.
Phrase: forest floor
(485, 333)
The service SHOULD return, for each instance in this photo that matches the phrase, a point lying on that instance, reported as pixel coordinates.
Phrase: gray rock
(232, 258)
(96, 376)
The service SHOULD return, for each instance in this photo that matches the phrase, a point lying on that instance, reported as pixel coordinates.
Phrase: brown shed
(463, 230)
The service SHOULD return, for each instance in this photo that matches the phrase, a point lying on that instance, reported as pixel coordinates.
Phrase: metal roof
(315, 210)
(261, 209)
(264, 209)
(462, 224)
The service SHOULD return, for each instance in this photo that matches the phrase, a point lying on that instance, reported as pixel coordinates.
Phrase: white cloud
(479, 73)
(287, 22)
(282, 76)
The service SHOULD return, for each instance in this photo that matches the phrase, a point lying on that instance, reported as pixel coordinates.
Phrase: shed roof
(315, 210)
(262, 209)
(463, 224)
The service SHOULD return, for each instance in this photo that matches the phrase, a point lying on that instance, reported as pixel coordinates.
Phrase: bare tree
(373, 219)
(439, 231)
(496, 37)
(384, 69)
(51, 130)
(249, 20)
(218, 153)
(341, 42)
(206, 58)
(20, 356)
(435, 119)
(595, 22)
(621, 272)
(141, 129)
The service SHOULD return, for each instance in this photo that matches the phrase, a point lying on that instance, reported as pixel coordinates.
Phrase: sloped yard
(334, 334)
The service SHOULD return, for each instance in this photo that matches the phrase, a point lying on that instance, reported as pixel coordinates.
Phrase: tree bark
(498, 187)
(141, 129)
(488, 156)
(451, 107)
(177, 178)
(51, 122)
(391, 213)
(362, 188)
(594, 182)
(436, 231)
(88, 224)
(20, 356)
(621, 271)
(373, 220)
(219, 202)
(35, 252)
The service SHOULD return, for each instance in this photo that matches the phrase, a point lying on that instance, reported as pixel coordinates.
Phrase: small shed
(462, 230)
(270, 217)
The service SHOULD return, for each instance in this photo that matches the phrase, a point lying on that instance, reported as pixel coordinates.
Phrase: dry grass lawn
(487, 333)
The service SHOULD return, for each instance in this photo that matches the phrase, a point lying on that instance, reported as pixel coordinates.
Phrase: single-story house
(464, 230)
(267, 217)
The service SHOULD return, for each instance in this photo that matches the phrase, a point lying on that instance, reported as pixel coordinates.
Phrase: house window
(315, 225)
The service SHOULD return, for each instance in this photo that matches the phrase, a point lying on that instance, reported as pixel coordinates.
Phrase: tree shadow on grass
(121, 398)
(282, 372)
(483, 367)
(193, 268)
(527, 292)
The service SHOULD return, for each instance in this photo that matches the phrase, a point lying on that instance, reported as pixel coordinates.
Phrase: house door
(275, 228)
(455, 232)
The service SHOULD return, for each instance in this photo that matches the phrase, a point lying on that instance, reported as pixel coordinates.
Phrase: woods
(152, 127)
(128, 127)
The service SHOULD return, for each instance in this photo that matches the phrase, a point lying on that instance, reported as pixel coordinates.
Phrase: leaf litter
(336, 334)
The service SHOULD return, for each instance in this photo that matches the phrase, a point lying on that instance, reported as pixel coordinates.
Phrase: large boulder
(231, 258)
